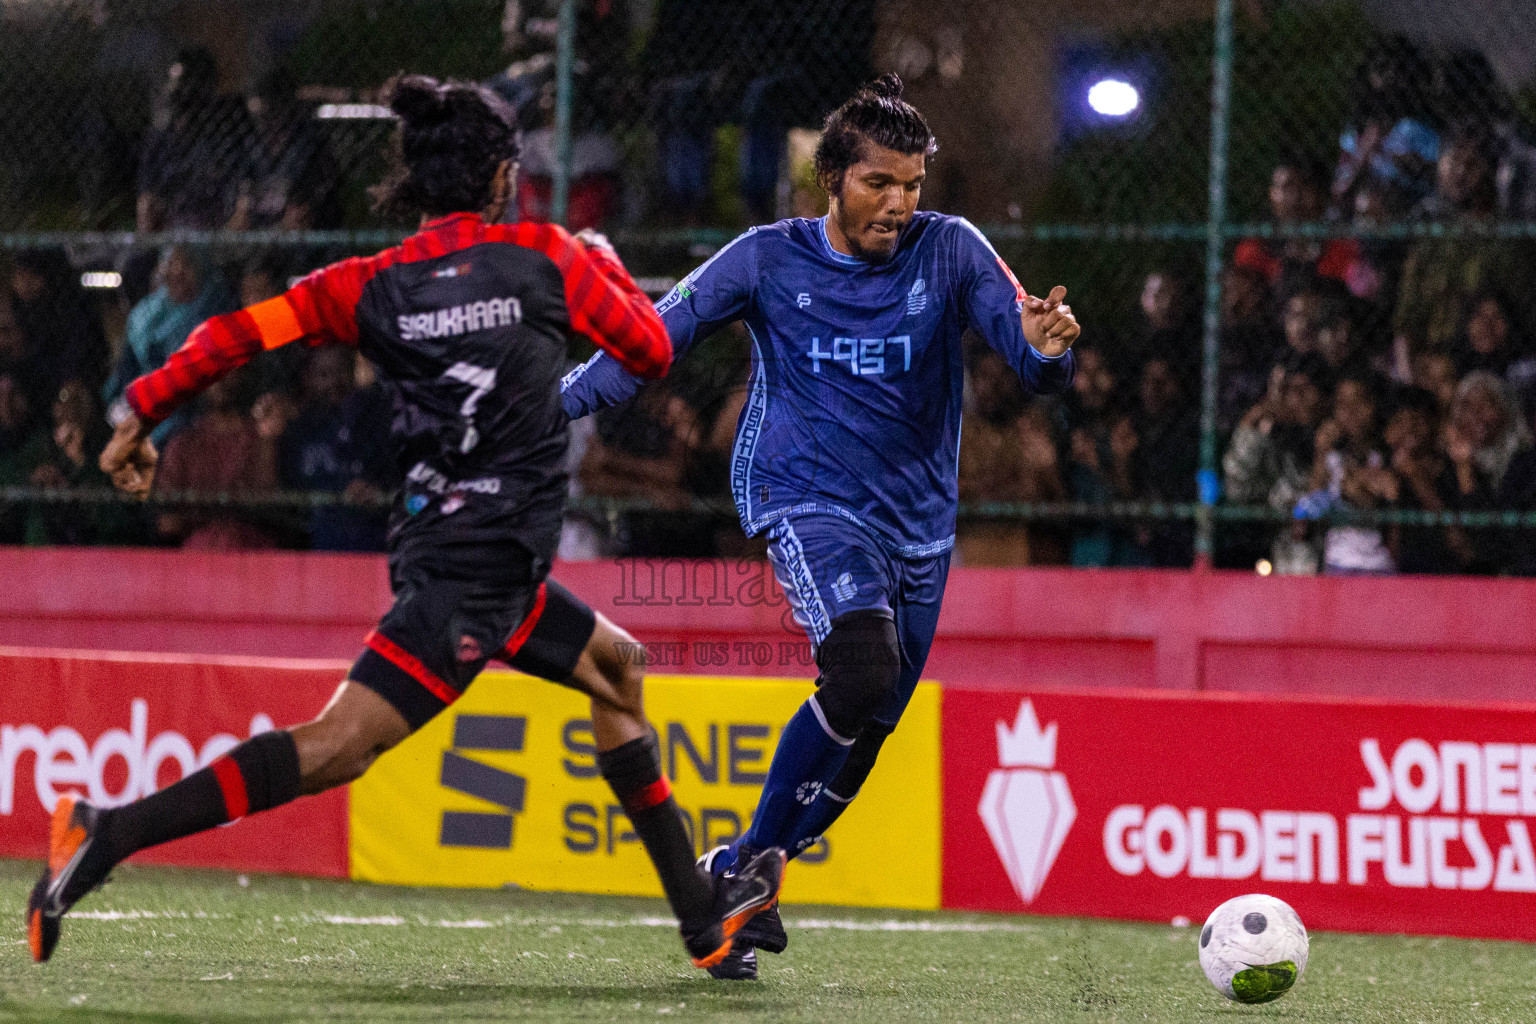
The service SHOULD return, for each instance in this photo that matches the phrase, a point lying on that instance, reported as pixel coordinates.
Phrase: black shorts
(452, 615)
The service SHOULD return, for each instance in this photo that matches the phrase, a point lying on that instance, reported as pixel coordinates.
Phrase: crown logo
(1026, 804)
(1026, 745)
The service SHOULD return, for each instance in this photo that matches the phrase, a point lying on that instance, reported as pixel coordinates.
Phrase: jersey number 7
(480, 381)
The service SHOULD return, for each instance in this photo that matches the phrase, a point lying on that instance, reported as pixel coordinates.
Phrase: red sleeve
(321, 307)
(604, 302)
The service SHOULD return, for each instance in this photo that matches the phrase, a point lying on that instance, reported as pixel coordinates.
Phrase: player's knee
(626, 684)
(620, 661)
(323, 765)
(344, 760)
(860, 662)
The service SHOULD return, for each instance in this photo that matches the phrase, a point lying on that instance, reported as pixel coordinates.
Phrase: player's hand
(1049, 324)
(593, 239)
(130, 458)
(597, 243)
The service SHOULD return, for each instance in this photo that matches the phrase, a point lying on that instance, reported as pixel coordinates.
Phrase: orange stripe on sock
(232, 784)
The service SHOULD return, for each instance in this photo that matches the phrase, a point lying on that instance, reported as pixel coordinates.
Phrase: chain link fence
(1301, 237)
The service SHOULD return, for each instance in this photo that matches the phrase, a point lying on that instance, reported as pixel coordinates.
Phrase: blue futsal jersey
(857, 371)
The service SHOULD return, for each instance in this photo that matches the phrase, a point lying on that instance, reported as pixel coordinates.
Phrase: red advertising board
(1363, 815)
(118, 726)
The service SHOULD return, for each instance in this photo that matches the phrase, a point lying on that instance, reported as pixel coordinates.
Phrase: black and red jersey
(467, 323)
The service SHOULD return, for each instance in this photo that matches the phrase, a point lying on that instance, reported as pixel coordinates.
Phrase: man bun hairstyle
(878, 114)
(452, 137)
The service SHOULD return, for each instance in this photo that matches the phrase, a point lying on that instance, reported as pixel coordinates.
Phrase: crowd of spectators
(751, 68)
(294, 419)
(1356, 372)
(1402, 373)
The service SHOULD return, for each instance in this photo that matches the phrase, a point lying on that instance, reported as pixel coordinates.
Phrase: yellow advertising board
(503, 787)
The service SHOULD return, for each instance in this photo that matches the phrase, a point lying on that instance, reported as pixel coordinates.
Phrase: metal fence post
(565, 57)
(1207, 481)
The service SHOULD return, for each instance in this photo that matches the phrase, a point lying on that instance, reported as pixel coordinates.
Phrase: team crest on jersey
(917, 298)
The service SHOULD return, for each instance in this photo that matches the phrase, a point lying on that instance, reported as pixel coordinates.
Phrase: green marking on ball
(1263, 982)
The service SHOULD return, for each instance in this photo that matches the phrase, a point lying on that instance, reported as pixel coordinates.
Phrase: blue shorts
(829, 567)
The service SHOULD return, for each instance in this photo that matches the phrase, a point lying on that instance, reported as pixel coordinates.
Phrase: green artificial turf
(171, 945)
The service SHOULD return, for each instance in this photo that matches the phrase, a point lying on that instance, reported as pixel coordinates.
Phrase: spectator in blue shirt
(1390, 142)
(190, 292)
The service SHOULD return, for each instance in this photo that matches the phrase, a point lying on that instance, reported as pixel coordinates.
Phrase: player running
(847, 448)
(467, 321)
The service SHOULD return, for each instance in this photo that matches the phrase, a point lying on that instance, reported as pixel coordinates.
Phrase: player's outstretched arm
(608, 306)
(318, 308)
(212, 350)
(714, 294)
(1035, 335)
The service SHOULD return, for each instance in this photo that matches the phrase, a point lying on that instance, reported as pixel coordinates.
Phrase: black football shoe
(764, 931)
(739, 896)
(740, 964)
(76, 865)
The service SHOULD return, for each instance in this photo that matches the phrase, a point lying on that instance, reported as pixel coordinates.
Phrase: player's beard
(865, 253)
(873, 255)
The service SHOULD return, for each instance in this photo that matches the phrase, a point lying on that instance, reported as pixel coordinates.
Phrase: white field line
(393, 920)
(141, 915)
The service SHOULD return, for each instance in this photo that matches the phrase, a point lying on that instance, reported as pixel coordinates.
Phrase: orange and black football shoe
(739, 897)
(68, 875)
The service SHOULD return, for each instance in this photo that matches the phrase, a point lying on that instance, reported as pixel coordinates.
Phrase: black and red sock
(633, 771)
(259, 774)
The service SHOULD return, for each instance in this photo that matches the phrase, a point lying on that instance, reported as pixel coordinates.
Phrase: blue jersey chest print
(853, 403)
(863, 320)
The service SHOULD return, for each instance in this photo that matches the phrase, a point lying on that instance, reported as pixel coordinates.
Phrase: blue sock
(807, 758)
(814, 821)
(835, 796)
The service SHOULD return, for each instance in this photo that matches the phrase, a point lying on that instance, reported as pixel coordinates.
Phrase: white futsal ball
(1253, 948)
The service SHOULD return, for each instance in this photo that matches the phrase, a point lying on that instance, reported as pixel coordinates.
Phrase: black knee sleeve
(860, 664)
(861, 758)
